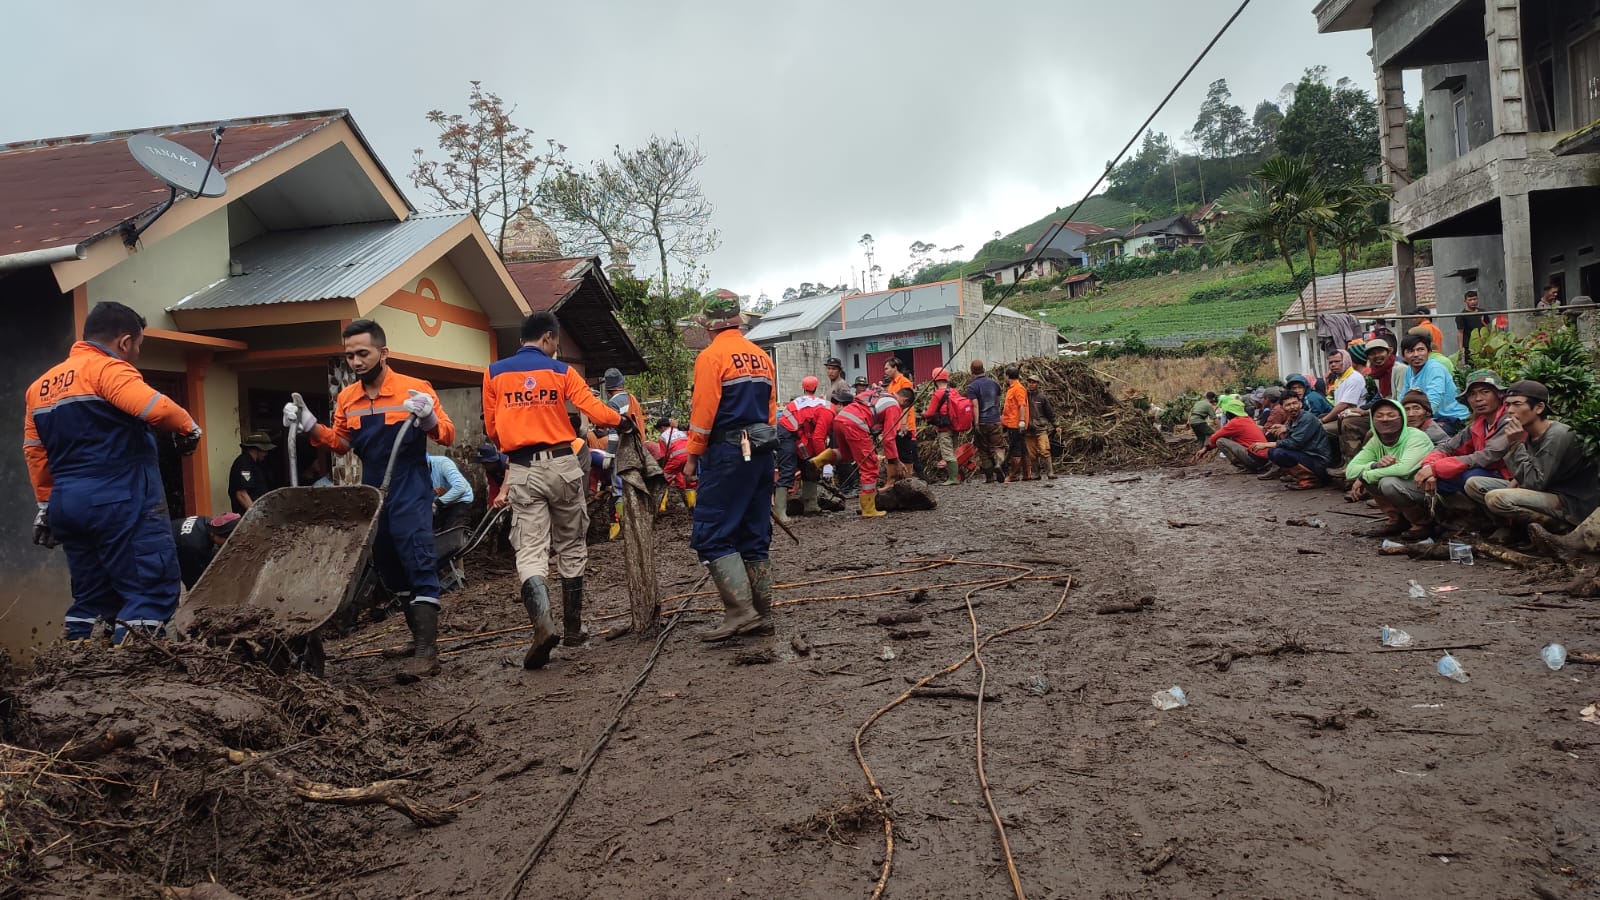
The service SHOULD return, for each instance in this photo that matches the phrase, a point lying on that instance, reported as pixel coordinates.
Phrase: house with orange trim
(246, 295)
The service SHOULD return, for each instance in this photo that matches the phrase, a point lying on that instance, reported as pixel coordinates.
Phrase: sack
(763, 439)
(961, 410)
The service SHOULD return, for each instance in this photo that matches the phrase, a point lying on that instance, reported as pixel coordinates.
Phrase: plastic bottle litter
(1394, 637)
(1416, 590)
(1451, 669)
(1555, 656)
(1461, 553)
(887, 653)
(1171, 698)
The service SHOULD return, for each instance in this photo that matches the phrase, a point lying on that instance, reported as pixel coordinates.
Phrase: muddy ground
(1324, 766)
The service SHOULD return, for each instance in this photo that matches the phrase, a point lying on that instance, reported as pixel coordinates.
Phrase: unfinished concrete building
(1511, 199)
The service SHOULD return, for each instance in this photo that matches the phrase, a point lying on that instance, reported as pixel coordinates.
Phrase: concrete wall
(159, 275)
(39, 331)
(795, 360)
(944, 296)
(1439, 109)
(223, 425)
(452, 342)
(1398, 24)
(1566, 233)
(1002, 339)
(464, 406)
(1487, 255)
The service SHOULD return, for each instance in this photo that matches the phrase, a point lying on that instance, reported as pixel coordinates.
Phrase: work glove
(41, 527)
(421, 405)
(187, 443)
(626, 426)
(295, 415)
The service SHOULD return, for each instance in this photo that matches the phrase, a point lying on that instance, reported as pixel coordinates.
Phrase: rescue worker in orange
(1014, 419)
(732, 439)
(905, 436)
(525, 399)
(91, 454)
(368, 418)
(855, 420)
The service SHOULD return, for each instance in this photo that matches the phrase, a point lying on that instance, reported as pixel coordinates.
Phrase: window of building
(1462, 144)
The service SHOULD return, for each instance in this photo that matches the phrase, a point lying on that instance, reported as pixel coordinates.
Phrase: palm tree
(1353, 225)
(1287, 206)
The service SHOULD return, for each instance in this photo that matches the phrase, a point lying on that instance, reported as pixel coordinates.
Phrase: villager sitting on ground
(1553, 482)
(1014, 418)
(1271, 411)
(1036, 436)
(1478, 449)
(1433, 379)
(988, 435)
(1200, 416)
(1314, 402)
(1393, 453)
(1419, 415)
(938, 414)
(1380, 365)
(1301, 449)
(1237, 439)
(1347, 390)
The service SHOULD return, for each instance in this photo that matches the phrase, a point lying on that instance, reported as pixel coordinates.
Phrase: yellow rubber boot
(663, 505)
(616, 523)
(825, 458)
(869, 507)
(688, 497)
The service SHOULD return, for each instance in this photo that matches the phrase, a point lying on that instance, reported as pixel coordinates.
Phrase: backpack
(959, 407)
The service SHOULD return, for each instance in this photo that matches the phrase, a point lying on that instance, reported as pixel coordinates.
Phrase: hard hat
(940, 374)
(809, 383)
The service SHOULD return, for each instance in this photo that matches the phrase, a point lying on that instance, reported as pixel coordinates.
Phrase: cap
(488, 454)
(1378, 344)
(834, 362)
(613, 378)
(719, 312)
(1274, 393)
(258, 440)
(1533, 390)
(1035, 377)
(1419, 398)
(1481, 376)
(842, 396)
(861, 382)
(809, 383)
(224, 524)
(941, 374)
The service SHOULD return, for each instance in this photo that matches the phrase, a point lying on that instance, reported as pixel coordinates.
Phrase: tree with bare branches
(491, 165)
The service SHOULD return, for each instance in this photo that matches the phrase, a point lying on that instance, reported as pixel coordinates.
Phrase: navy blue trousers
(733, 513)
(120, 552)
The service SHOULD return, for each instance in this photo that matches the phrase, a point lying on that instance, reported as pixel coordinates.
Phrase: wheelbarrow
(291, 563)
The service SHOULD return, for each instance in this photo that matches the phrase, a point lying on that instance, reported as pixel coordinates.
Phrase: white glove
(295, 416)
(421, 405)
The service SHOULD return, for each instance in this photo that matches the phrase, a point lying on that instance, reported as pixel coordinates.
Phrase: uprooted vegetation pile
(124, 770)
(1097, 431)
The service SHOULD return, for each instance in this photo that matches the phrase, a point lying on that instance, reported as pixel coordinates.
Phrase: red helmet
(809, 383)
(941, 375)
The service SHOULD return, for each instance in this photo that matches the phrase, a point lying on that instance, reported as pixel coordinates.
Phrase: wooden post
(634, 464)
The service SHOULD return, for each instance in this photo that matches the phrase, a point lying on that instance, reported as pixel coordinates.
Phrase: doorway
(171, 463)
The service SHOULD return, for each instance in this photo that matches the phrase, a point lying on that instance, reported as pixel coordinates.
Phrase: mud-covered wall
(36, 589)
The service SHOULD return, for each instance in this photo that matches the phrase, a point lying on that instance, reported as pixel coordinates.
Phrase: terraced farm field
(1160, 309)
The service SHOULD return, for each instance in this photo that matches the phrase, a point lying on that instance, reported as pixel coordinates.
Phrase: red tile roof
(547, 282)
(63, 191)
(1082, 277)
(1371, 294)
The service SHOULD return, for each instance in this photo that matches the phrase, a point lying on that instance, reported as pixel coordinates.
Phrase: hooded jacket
(1315, 403)
(1410, 447)
(1307, 435)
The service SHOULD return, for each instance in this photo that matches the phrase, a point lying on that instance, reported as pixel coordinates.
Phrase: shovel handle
(394, 453)
(294, 444)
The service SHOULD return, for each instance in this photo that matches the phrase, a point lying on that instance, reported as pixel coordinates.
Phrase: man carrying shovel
(368, 417)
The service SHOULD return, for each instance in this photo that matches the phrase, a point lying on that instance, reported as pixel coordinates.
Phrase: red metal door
(924, 360)
(875, 363)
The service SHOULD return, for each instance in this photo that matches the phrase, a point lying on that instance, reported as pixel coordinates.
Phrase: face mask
(371, 376)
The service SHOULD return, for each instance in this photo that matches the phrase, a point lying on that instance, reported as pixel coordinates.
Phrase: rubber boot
(826, 457)
(780, 503)
(952, 472)
(808, 498)
(760, 575)
(662, 507)
(1047, 465)
(738, 608)
(536, 600)
(424, 662)
(688, 498)
(572, 633)
(869, 507)
(410, 647)
(616, 522)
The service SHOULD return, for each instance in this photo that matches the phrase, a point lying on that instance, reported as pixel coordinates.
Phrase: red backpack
(955, 410)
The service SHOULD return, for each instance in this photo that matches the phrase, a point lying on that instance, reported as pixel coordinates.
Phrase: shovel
(291, 563)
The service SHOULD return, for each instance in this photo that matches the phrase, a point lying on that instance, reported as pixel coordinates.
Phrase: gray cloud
(939, 120)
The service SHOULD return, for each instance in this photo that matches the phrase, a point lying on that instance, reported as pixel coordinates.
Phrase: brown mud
(1310, 762)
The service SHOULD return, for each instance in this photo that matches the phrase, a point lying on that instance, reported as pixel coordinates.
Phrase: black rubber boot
(424, 662)
(572, 633)
(536, 600)
(410, 647)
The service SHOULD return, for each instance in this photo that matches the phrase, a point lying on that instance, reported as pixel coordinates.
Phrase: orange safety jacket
(909, 420)
(1014, 414)
(525, 399)
(354, 411)
(90, 417)
(734, 388)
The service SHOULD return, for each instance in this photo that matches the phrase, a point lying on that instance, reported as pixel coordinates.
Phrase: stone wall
(795, 360)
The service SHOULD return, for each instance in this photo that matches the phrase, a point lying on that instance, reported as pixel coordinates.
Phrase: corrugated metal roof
(339, 261)
(791, 316)
(64, 191)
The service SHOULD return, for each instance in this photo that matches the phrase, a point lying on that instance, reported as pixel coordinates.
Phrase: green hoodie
(1408, 449)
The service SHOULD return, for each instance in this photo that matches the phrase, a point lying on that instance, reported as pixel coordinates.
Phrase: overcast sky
(932, 120)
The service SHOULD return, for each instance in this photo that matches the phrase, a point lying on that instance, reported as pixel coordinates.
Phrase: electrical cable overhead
(1057, 227)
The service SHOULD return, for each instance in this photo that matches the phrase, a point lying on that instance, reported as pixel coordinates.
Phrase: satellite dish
(179, 167)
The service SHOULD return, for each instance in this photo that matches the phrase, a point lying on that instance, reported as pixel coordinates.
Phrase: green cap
(259, 441)
(1231, 405)
(1482, 376)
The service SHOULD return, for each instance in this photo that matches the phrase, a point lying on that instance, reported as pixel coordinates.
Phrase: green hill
(1100, 210)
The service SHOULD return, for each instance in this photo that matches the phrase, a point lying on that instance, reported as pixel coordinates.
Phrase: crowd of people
(1387, 424)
